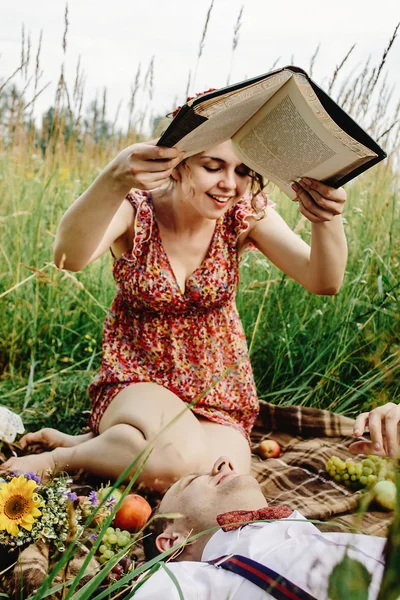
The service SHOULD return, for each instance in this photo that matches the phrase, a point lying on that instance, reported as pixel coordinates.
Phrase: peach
(133, 513)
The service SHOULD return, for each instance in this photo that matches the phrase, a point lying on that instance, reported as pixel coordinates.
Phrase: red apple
(133, 513)
(269, 449)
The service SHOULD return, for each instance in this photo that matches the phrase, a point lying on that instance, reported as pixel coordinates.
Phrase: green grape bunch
(112, 542)
(361, 474)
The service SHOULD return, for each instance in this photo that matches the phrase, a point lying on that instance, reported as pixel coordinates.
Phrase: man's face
(200, 497)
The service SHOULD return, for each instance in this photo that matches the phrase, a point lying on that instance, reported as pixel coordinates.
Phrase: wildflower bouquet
(32, 511)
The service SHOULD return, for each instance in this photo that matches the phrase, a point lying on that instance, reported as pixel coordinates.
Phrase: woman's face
(213, 180)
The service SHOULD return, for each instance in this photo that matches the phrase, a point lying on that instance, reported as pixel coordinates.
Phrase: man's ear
(166, 540)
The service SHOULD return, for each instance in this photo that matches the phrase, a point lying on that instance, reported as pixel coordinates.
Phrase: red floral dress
(191, 343)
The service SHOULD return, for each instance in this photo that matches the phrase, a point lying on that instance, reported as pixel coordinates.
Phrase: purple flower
(72, 496)
(111, 502)
(30, 476)
(93, 536)
(33, 477)
(93, 498)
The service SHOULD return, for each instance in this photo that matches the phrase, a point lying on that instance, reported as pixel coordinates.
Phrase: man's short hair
(153, 531)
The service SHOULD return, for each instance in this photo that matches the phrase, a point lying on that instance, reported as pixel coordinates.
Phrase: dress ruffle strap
(141, 202)
(244, 209)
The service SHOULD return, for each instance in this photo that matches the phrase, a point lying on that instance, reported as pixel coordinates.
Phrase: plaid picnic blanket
(308, 438)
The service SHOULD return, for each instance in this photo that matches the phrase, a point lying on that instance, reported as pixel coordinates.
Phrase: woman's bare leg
(223, 440)
(44, 439)
(131, 422)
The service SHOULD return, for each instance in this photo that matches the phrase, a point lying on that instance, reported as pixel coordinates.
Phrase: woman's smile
(220, 200)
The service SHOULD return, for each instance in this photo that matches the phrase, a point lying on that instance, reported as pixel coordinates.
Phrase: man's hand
(144, 166)
(319, 202)
(384, 428)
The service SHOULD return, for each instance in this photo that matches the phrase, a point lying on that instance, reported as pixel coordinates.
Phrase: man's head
(199, 498)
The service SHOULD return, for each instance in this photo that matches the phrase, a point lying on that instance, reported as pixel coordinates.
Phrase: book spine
(188, 123)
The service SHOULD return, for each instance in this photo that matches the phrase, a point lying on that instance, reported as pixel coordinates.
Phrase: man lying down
(289, 550)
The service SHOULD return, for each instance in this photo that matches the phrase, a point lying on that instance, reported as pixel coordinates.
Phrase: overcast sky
(114, 36)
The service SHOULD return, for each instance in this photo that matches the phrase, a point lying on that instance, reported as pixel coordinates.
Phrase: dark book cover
(187, 120)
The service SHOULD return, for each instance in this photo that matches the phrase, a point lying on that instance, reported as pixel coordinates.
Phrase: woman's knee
(150, 408)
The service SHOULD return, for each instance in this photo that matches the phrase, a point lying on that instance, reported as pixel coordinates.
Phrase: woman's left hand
(318, 202)
(384, 428)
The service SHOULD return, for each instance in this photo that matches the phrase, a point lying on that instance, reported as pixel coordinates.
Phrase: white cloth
(296, 550)
(10, 425)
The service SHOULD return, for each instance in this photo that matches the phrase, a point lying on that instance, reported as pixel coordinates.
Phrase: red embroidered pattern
(237, 518)
(185, 342)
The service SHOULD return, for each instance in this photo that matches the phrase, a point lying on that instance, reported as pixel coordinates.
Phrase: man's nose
(223, 465)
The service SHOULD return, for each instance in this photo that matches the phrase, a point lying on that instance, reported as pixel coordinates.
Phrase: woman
(173, 334)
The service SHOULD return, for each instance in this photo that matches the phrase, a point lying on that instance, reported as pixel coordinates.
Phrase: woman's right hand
(144, 166)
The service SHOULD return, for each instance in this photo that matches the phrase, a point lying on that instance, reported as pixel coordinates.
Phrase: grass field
(340, 353)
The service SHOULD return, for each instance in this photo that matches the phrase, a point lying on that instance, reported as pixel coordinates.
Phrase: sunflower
(18, 505)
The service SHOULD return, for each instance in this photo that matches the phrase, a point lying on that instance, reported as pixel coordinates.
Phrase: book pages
(287, 139)
(227, 113)
(327, 121)
(267, 87)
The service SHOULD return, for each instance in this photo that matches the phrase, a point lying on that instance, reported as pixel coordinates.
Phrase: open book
(282, 125)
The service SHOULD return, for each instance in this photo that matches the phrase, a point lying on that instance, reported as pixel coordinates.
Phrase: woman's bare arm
(100, 216)
(319, 268)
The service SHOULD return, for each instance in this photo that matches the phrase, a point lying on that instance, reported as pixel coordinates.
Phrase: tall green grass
(51, 321)
(339, 352)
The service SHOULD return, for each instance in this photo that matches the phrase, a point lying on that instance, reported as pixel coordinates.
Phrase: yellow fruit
(385, 494)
